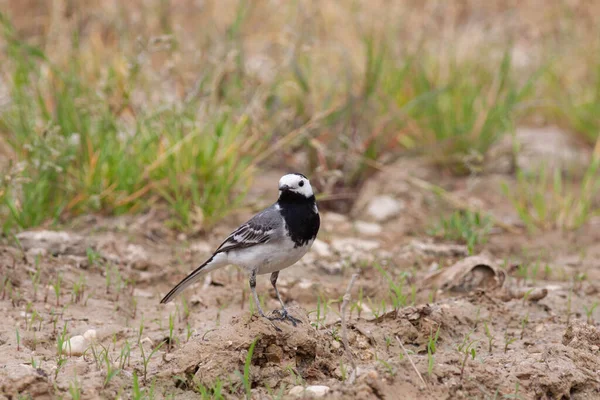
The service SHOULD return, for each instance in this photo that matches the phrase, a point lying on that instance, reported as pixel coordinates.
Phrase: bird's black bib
(301, 217)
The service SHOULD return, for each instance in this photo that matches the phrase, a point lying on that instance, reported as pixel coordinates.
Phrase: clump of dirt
(582, 336)
(25, 379)
(561, 372)
(282, 354)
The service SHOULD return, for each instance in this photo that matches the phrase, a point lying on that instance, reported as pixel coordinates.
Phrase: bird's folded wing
(248, 235)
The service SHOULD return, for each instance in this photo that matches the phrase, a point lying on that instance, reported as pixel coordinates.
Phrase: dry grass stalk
(346, 300)
(411, 362)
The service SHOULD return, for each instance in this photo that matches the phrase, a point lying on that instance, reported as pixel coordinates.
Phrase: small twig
(345, 301)
(411, 361)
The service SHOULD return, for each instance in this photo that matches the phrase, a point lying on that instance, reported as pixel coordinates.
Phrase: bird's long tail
(216, 261)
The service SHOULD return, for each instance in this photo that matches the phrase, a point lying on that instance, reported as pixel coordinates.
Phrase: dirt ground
(516, 321)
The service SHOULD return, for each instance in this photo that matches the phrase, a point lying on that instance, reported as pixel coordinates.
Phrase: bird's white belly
(268, 258)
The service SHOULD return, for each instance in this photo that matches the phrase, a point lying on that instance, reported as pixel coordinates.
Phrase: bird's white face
(296, 183)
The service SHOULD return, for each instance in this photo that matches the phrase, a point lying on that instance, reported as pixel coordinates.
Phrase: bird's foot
(283, 315)
(262, 314)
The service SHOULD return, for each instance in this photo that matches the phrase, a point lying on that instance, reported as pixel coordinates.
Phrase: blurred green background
(116, 107)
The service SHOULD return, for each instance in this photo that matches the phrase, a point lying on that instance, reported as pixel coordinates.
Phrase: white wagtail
(270, 241)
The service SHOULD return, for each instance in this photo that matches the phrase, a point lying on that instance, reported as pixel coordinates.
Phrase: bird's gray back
(268, 219)
(264, 227)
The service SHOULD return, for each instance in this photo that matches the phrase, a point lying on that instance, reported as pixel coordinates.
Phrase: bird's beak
(284, 187)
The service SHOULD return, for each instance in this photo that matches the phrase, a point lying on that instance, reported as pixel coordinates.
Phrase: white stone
(384, 207)
(335, 217)
(310, 391)
(296, 391)
(367, 228)
(135, 253)
(55, 242)
(334, 222)
(90, 335)
(317, 390)
(75, 346)
(201, 247)
(305, 284)
(321, 248)
(142, 293)
(350, 245)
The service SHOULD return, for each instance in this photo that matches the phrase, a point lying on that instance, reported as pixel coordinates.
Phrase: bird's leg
(253, 289)
(283, 313)
(258, 307)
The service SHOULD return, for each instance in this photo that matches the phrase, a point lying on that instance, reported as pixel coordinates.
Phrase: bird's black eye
(301, 183)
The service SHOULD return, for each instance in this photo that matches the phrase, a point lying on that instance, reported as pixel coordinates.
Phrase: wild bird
(272, 240)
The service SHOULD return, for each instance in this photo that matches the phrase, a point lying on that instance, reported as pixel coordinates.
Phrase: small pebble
(201, 247)
(384, 207)
(352, 245)
(335, 217)
(321, 248)
(296, 391)
(75, 346)
(90, 335)
(305, 284)
(372, 374)
(142, 293)
(310, 391)
(317, 390)
(367, 228)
